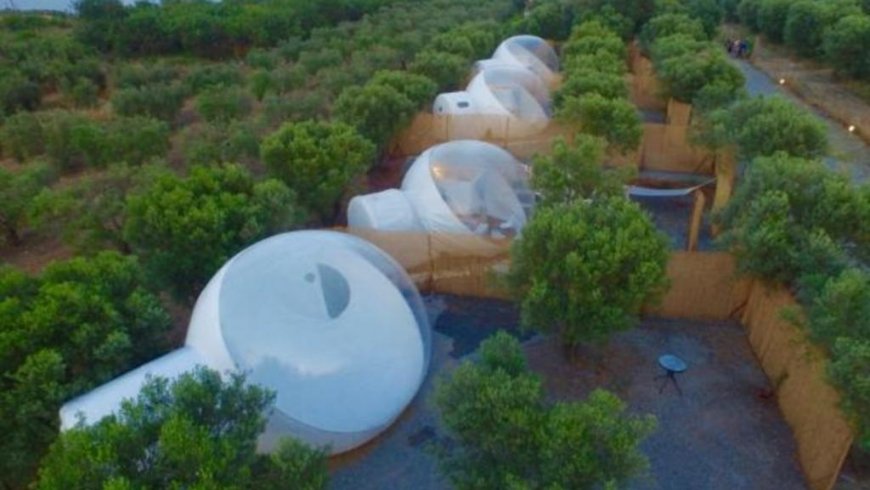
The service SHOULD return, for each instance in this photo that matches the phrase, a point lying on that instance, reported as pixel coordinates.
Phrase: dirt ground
(723, 432)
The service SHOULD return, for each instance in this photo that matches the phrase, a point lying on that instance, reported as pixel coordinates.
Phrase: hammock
(639, 191)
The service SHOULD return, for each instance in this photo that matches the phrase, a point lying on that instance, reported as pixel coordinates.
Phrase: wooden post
(695, 220)
(726, 167)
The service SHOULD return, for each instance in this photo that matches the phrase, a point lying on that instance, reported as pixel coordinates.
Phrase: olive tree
(843, 43)
(763, 126)
(848, 370)
(18, 190)
(185, 228)
(615, 120)
(376, 111)
(585, 269)
(571, 172)
(75, 326)
(196, 431)
(508, 436)
(789, 218)
(318, 160)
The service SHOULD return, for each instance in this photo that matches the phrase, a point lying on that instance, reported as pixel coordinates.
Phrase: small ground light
(782, 81)
(851, 128)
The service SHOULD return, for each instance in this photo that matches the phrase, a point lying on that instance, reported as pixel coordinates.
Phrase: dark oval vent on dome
(335, 289)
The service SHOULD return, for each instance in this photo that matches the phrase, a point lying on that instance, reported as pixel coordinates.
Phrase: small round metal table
(672, 365)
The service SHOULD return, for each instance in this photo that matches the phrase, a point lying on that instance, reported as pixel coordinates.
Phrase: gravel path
(720, 434)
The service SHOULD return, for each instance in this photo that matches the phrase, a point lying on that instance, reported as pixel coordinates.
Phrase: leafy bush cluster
(795, 221)
(301, 79)
(208, 29)
(589, 258)
(554, 19)
(594, 96)
(185, 228)
(509, 436)
(75, 326)
(71, 140)
(37, 60)
(691, 68)
(585, 268)
(763, 126)
(184, 222)
(834, 31)
(318, 159)
(384, 105)
(196, 420)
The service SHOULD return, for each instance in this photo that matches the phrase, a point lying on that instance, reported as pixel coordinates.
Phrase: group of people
(738, 48)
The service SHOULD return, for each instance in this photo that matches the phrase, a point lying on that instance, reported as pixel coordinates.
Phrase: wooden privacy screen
(664, 147)
(704, 286)
(797, 369)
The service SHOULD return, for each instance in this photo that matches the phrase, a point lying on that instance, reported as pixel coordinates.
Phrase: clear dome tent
(504, 100)
(459, 187)
(531, 53)
(328, 321)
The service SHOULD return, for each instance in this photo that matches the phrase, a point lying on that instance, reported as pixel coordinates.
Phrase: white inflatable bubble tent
(508, 96)
(328, 321)
(459, 187)
(530, 52)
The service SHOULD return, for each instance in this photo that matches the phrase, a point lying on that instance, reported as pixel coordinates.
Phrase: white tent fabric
(529, 99)
(531, 53)
(459, 187)
(508, 96)
(387, 210)
(454, 103)
(327, 320)
(502, 100)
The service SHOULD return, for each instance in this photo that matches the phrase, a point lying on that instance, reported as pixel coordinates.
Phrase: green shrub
(615, 120)
(668, 25)
(137, 75)
(845, 46)
(766, 125)
(549, 20)
(260, 58)
(136, 140)
(261, 83)
(446, 69)
(21, 136)
(709, 12)
(790, 218)
(223, 104)
(585, 269)
(318, 160)
(160, 101)
(841, 308)
(18, 93)
(82, 92)
(772, 16)
(850, 372)
(684, 77)
(600, 61)
(208, 76)
(748, 11)
(377, 111)
(607, 85)
(185, 229)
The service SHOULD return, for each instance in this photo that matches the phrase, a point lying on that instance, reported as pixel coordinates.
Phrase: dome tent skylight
(508, 95)
(459, 187)
(530, 52)
(327, 320)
